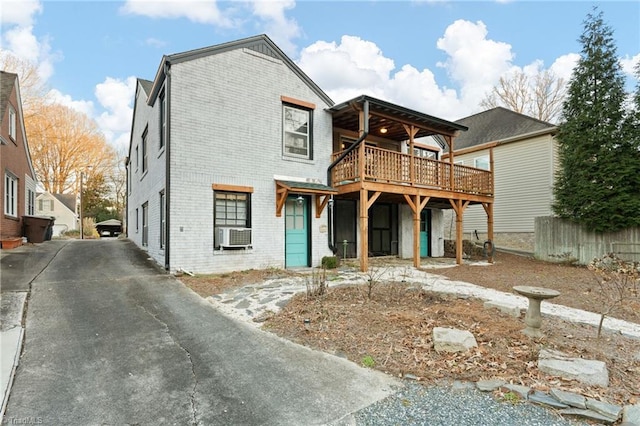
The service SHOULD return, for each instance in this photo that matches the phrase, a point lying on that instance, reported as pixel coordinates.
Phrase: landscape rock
(522, 391)
(631, 414)
(461, 385)
(489, 385)
(505, 307)
(590, 372)
(452, 340)
(587, 414)
(606, 409)
(569, 398)
(544, 399)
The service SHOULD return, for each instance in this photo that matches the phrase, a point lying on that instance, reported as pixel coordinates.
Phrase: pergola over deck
(370, 173)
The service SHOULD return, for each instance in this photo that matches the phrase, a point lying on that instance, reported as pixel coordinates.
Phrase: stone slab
(590, 372)
(570, 398)
(489, 385)
(522, 391)
(452, 340)
(608, 410)
(544, 399)
(587, 414)
(631, 414)
(505, 307)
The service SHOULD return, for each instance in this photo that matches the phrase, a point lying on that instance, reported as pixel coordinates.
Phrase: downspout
(167, 172)
(126, 195)
(363, 136)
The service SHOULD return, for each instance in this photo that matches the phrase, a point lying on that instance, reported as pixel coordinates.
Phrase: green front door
(296, 238)
(425, 225)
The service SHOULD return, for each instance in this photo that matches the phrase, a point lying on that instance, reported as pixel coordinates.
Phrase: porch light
(383, 130)
(300, 200)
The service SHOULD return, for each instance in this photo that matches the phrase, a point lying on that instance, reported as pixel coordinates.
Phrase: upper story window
(137, 157)
(297, 131)
(481, 162)
(12, 123)
(144, 150)
(10, 195)
(163, 119)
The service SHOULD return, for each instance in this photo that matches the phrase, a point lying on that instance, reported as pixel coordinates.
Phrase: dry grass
(394, 327)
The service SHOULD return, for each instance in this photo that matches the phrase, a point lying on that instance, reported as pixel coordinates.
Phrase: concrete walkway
(18, 268)
(253, 302)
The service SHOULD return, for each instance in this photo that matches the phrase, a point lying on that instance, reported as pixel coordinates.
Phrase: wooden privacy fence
(558, 240)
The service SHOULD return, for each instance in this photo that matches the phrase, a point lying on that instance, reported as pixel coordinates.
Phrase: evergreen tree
(597, 182)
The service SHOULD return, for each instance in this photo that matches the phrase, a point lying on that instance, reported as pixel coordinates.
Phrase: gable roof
(7, 81)
(69, 200)
(497, 124)
(260, 43)
(346, 117)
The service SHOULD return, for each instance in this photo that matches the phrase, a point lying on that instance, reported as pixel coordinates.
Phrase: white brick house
(232, 156)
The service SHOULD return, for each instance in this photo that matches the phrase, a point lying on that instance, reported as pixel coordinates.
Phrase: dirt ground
(392, 330)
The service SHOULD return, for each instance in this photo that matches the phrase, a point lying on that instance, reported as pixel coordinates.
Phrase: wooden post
(364, 230)
(416, 232)
(459, 207)
(488, 208)
(416, 207)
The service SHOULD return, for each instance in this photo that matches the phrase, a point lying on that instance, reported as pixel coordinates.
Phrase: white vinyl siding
(524, 174)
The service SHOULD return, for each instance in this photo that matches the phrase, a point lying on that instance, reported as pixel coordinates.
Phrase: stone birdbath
(533, 318)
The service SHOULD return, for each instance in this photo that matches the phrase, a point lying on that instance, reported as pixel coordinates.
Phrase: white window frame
(12, 123)
(145, 164)
(231, 217)
(31, 202)
(163, 219)
(10, 195)
(163, 119)
(478, 162)
(145, 224)
(297, 143)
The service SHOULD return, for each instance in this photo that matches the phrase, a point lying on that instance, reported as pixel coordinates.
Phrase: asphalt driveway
(110, 339)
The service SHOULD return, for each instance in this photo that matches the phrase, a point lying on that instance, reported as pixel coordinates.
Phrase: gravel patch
(420, 405)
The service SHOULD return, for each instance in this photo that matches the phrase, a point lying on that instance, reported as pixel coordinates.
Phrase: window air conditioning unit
(234, 237)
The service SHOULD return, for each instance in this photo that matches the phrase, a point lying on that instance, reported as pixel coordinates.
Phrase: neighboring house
(238, 160)
(62, 207)
(18, 190)
(524, 165)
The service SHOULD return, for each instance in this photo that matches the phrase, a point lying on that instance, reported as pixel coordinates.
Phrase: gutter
(365, 133)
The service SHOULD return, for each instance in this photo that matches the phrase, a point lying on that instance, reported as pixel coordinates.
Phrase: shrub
(330, 262)
(619, 283)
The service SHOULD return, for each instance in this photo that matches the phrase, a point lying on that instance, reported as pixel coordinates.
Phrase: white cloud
(19, 12)
(281, 29)
(563, 66)
(85, 107)
(115, 96)
(629, 64)
(475, 62)
(154, 42)
(355, 66)
(200, 11)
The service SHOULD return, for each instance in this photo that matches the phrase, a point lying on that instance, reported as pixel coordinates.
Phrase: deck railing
(381, 165)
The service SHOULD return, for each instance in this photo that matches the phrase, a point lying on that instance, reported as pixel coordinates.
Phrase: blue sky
(439, 57)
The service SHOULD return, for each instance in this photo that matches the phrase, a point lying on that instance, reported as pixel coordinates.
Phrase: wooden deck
(396, 168)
